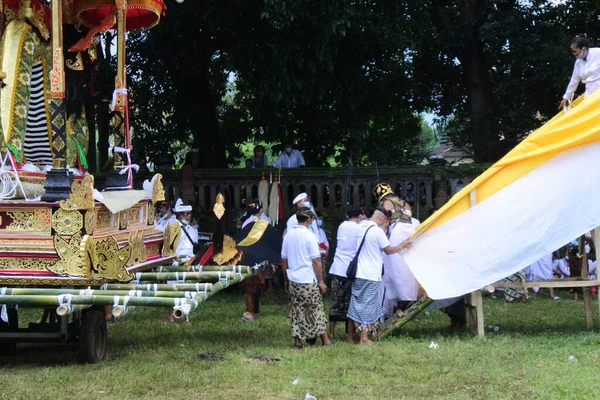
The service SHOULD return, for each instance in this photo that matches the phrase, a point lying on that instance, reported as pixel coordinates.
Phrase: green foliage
(349, 80)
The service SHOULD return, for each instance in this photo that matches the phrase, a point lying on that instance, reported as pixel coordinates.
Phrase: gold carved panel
(67, 222)
(103, 258)
(89, 221)
(138, 250)
(104, 219)
(27, 220)
(70, 263)
(82, 195)
(26, 263)
(171, 236)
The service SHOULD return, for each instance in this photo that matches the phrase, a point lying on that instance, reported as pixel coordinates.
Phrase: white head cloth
(180, 207)
(300, 197)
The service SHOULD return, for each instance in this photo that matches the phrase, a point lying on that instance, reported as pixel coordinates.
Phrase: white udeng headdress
(180, 207)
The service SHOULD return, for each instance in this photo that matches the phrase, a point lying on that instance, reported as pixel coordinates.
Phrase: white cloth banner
(533, 216)
(120, 200)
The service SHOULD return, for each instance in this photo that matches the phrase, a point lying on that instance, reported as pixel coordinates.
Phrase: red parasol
(100, 16)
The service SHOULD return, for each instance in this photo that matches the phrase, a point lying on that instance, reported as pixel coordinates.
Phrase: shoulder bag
(353, 266)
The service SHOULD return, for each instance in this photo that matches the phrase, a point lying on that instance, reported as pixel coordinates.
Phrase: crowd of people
(288, 158)
(381, 284)
(368, 278)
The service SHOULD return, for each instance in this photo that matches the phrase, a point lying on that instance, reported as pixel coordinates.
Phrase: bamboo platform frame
(476, 298)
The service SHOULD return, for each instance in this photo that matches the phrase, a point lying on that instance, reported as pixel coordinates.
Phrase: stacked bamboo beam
(179, 287)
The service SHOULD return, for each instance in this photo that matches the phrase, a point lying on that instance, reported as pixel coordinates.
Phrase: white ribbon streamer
(3, 313)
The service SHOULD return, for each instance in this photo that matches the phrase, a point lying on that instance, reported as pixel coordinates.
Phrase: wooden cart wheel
(9, 347)
(92, 337)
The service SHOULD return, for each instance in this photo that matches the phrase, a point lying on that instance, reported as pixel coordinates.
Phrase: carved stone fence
(330, 189)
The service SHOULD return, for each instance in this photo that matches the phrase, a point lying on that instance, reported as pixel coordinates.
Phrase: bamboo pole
(47, 300)
(213, 276)
(176, 287)
(394, 323)
(66, 309)
(100, 292)
(587, 294)
(242, 269)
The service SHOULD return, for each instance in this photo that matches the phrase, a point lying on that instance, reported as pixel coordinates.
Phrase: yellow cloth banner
(579, 126)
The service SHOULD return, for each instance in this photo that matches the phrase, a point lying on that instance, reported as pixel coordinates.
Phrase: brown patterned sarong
(308, 317)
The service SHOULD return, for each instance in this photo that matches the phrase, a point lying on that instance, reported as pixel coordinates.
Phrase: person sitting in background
(259, 160)
(249, 163)
(289, 157)
(164, 216)
(193, 157)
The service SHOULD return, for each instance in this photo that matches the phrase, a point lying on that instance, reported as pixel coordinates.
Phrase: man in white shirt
(341, 286)
(189, 234)
(365, 306)
(586, 69)
(289, 158)
(301, 266)
(302, 201)
(166, 216)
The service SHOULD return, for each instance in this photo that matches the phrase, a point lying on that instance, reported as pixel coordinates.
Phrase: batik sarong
(308, 317)
(365, 306)
(511, 294)
(341, 288)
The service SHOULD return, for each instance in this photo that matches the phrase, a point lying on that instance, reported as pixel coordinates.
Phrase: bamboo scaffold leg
(397, 321)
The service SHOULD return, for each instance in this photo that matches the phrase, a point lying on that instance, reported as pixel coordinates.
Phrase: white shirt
(588, 72)
(185, 248)
(370, 259)
(299, 248)
(347, 244)
(293, 160)
(163, 221)
(293, 221)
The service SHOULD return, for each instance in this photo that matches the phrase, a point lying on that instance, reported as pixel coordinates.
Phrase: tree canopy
(350, 78)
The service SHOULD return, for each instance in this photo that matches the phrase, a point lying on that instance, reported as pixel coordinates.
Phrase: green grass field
(150, 359)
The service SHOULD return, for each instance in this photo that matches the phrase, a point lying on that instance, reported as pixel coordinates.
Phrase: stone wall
(330, 189)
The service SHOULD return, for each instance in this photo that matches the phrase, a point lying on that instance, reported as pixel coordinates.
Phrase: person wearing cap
(341, 286)
(260, 243)
(188, 239)
(302, 271)
(165, 216)
(399, 287)
(365, 300)
(289, 157)
(387, 199)
(255, 212)
(301, 201)
(189, 234)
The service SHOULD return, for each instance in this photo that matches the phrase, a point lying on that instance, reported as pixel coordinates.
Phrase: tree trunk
(477, 81)
(471, 55)
(198, 101)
